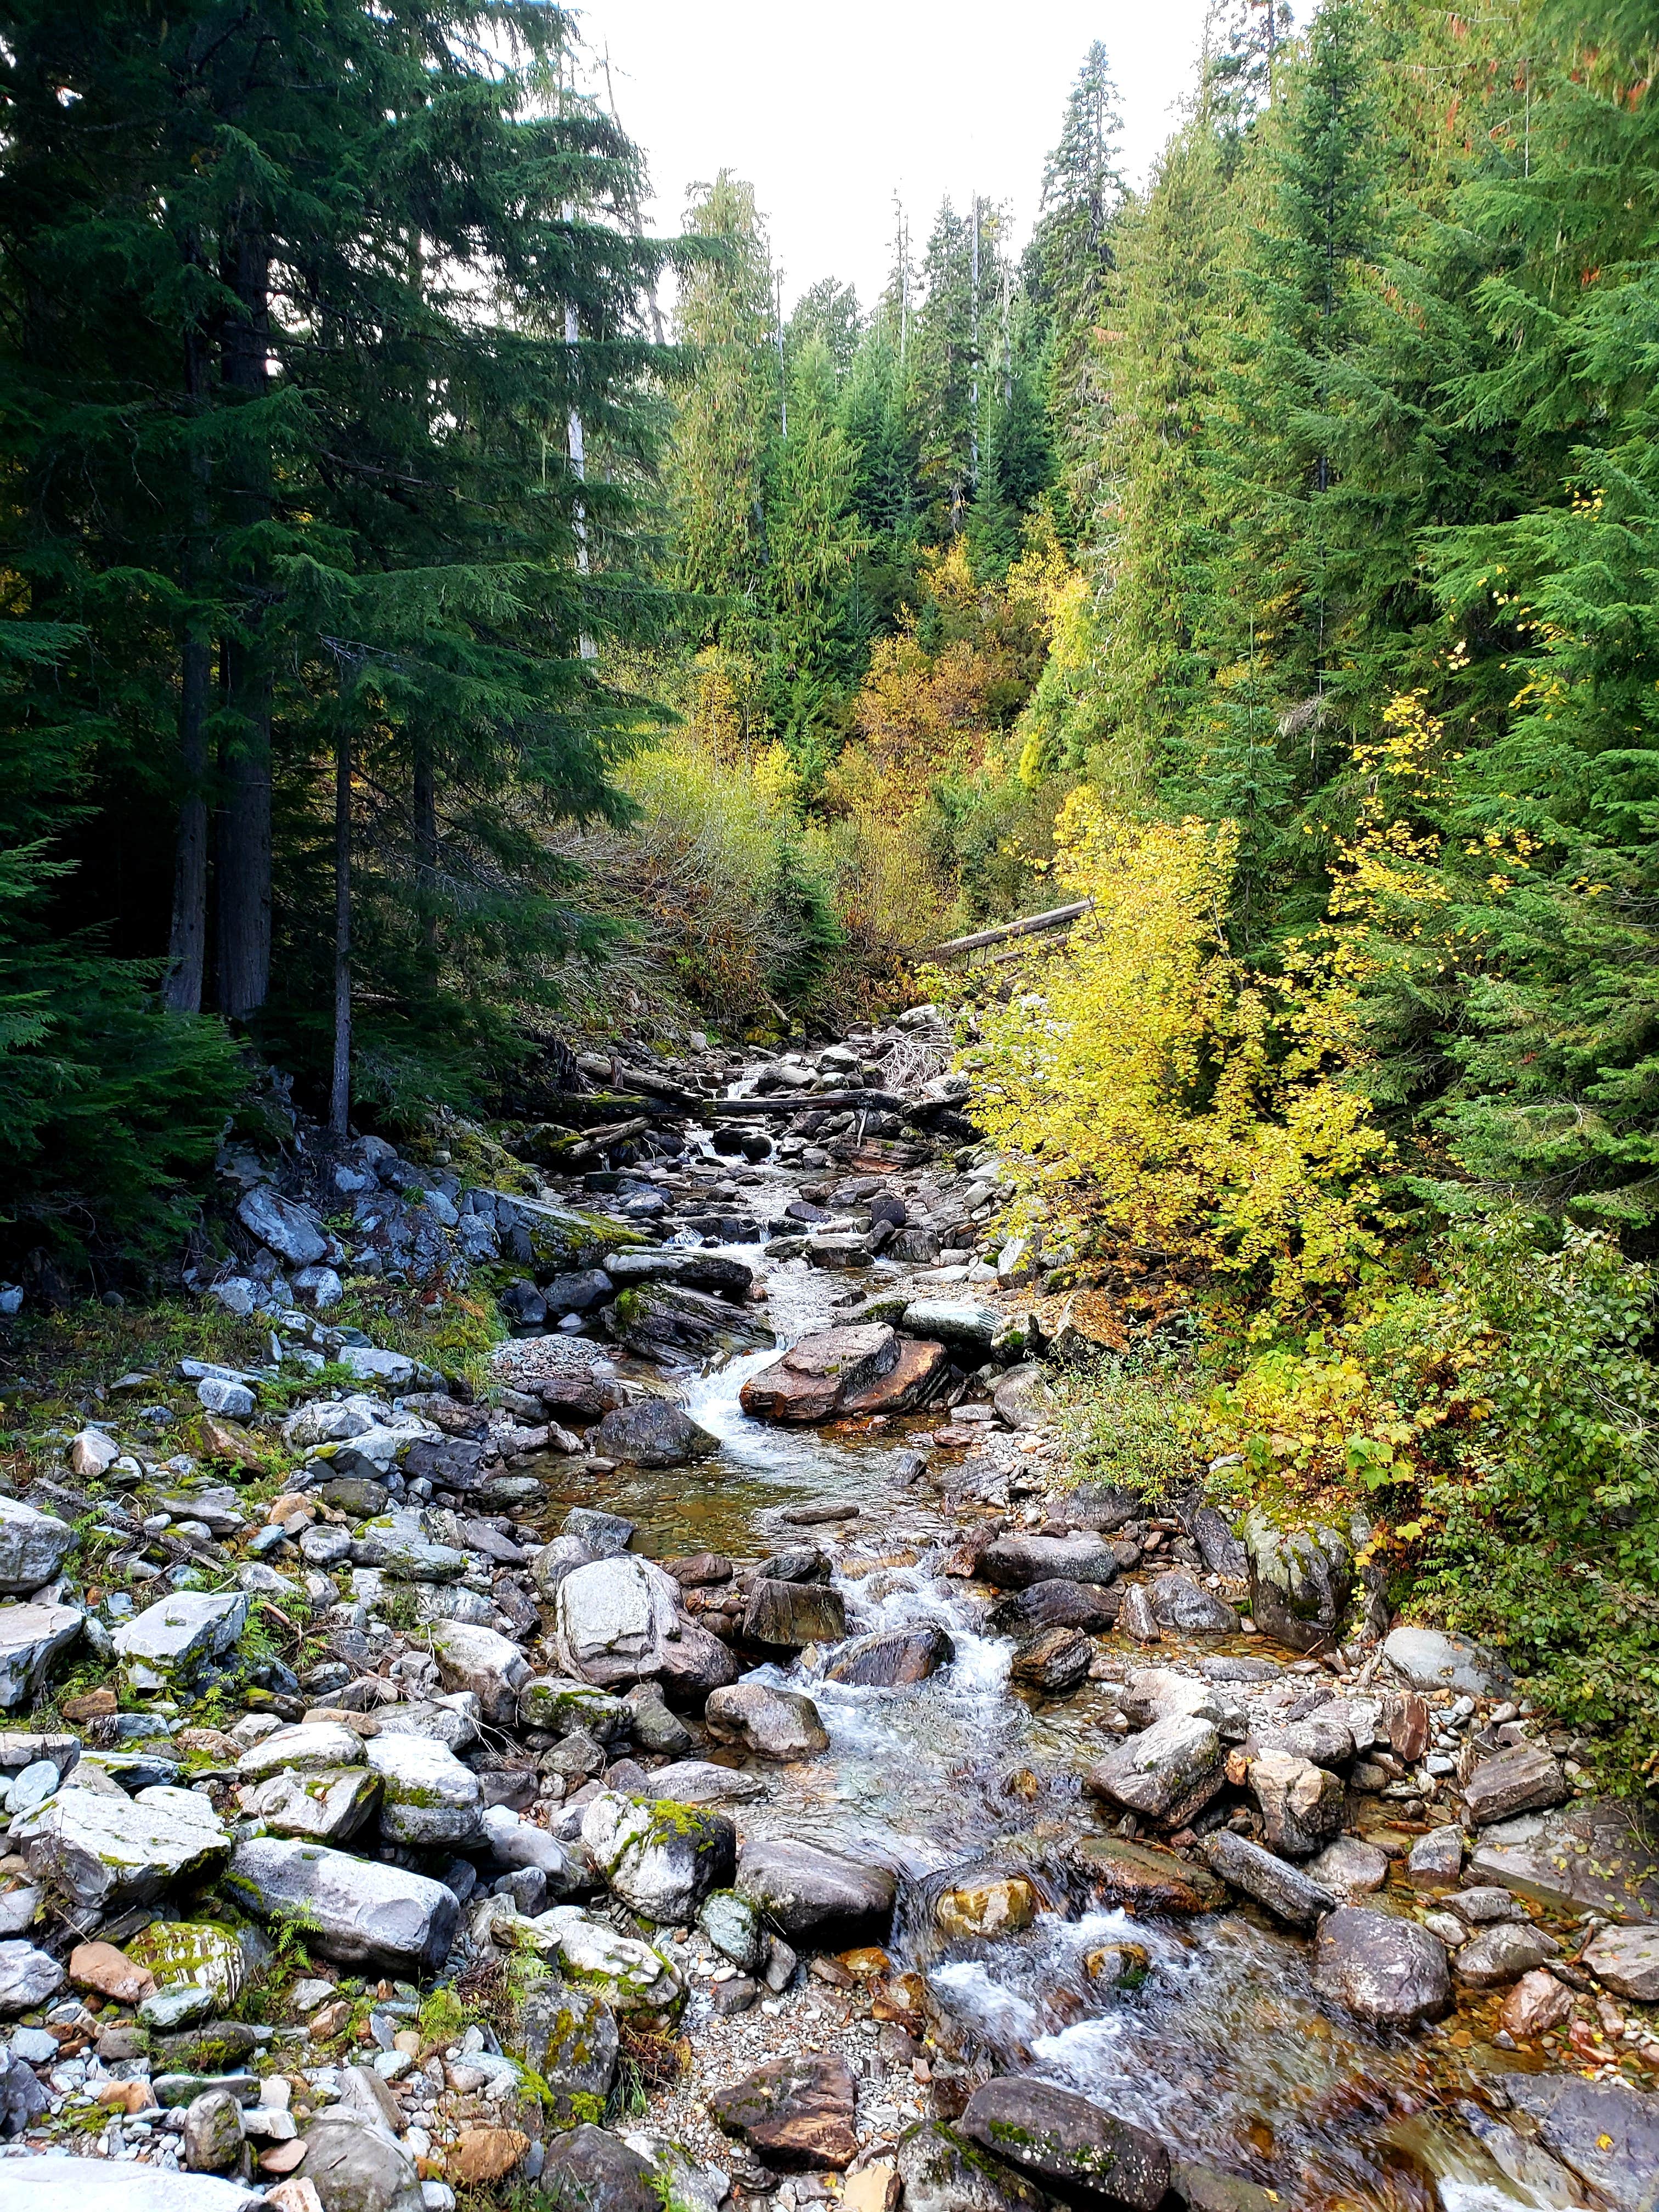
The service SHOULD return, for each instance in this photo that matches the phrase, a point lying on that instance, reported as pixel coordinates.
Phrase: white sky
(827, 109)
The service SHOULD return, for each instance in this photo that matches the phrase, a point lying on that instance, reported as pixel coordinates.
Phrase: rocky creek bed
(733, 1766)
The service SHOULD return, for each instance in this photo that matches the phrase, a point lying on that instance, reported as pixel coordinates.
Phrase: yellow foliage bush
(1146, 1086)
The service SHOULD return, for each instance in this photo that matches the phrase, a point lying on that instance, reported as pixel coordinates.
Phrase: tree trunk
(339, 1102)
(244, 855)
(425, 851)
(187, 943)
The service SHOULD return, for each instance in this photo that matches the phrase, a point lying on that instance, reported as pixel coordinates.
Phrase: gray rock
(1284, 1891)
(1322, 1737)
(607, 1536)
(319, 1288)
(653, 1727)
(1054, 1604)
(703, 1782)
(660, 1858)
(114, 1851)
(975, 1327)
(213, 2136)
(1166, 1773)
(1606, 2131)
(1302, 1804)
(293, 1232)
(519, 1843)
(1302, 1581)
(370, 1364)
(1219, 1549)
(357, 2168)
(449, 1725)
(1391, 1973)
(234, 1399)
(1058, 2137)
(569, 2036)
(733, 1926)
(580, 1292)
(1480, 1907)
(654, 1433)
(1350, 1868)
(631, 1977)
(27, 1976)
(489, 1665)
(587, 2167)
(1522, 1779)
(557, 1704)
(1021, 1396)
(1600, 1855)
(308, 1747)
(32, 1546)
(790, 1615)
(1501, 1953)
(328, 1805)
(612, 1620)
(800, 1885)
(1181, 1604)
(31, 1638)
(942, 2172)
(186, 1628)
(19, 1909)
(1430, 1659)
(1436, 1857)
(354, 1911)
(892, 1658)
(428, 1798)
(1627, 1961)
(1135, 1616)
(21, 2097)
(775, 1723)
(1016, 1562)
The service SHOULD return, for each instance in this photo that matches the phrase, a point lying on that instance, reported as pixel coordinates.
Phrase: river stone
(1135, 1617)
(569, 2036)
(1143, 1877)
(1301, 1804)
(1627, 1961)
(1390, 1971)
(704, 1782)
(612, 1620)
(651, 1724)
(519, 1843)
(1436, 1857)
(31, 1637)
(1349, 1868)
(353, 1910)
(185, 1629)
(356, 2168)
(734, 1927)
(814, 1376)
(1323, 1738)
(306, 1748)
(1166, 1773)
(1058, 2137)
(1430, 1659)
(1503, 1954)
(1159, 1694)
(492, 1667)
(1606, 2131)
(327, 1805)
(32, 1546)
(660, 1858)
(289, 1230)
(792, 1615)
(1286, 1891)
(942, 2172)
(1055, 1661)
(1536, 2003)
(1479, 1907)
(893, 1658)
(654, 1433)
(628, 1975)
(587, 2168)
(775, 1723)
(428, 1798)
(796, 2111)
(1525, 1778)
(1600, 1855)
(1184, 1606)
(801, 1886)
(115, 1851)
(27, 1976)
(1017, 1562)
(1021, 1396)
(997, 1905)
(1301, 1580)
(1054, 1604)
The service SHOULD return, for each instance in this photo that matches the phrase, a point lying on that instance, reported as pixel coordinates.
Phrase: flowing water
(1223, 2049)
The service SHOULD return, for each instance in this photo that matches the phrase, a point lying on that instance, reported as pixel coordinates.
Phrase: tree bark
(187, 943)
(339, 1102)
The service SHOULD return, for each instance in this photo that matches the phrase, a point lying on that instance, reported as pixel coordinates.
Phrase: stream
(1224, 2050)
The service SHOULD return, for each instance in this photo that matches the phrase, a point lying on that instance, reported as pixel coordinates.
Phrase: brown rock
(212, 1743)
(1524, 1779)
(224, 1440)
(892, 1658)
(873, 2187)
(906, 1384)
(101, 1966)
(1409, 1725)
(814, 1377)
(1537, 2002)
(1001, 1906)
(485, 2154)
(794, 1614)
(126, 2096)
(330, 2020)
(283, 2158)
(1144, 1879)
(796, 2111)
(1053, 1661)
(94, 1706)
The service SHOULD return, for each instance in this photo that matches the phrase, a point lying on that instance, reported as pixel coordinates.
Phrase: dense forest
(426, 641)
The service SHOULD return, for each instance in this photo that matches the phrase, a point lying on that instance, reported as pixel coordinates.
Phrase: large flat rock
(1599, 1855)
(795, 2111)
(1050, 2134)
(355, 1911)
(801, 1886)
(814, 1377)
(1606, 2131)
(110, 1851)
(31, 1637)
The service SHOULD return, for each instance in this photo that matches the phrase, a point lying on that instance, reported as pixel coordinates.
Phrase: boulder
(1536, 2003)
(291, 1231)
(213, 2136)
(168, 1640)
(1430, 1659)
(449, 1725)
(370, 1364)
(910, 1382)
(324, 1806)
(92, 1454)
(490, 1666)
(1349, 1869)
(1626, 1960)
(1187, 1609)
(734, 1928)
(607, 1536)
(660, 1858)
(354, 2169)
(774, 1723)
(1302, 1804)
(428, 1799)
(1286, 1892)
(32, 1546)
(892, 1659)
(813, 1377)
(942, 2172)
(1522, 1779)
(1166, 1773)
(354, 1911)
(556, 1706)
(694, 1661)
(654, 1433)
(27, 1976)
(587, 2167)
(1135, 1616)
(1323, 1738)
(1053, 1661)
(796, 2111)
(1302, 1581)
(1021, 1396)
(1391, 1973)
(1143, 1877)
(1503, 1954)
(1056, 2137)
(961, 1324)
(792, 1615)
(114, 1851)
(1606, 2131)
(579, 1293)
(701, 1782)
(568, 2036)
(203, 1954)
(31, 1638)
(1053, 1604)
(698, 1270)
(1219, 1549)
(629, 1976)
(308, 1747)
(1600, 1855)
(21, 2101)
(520, 1843)
(1159, 1694)
(613, 1618)
(992, 1906)
(1017, 1562)
(801, 1886)
(1436, 1857)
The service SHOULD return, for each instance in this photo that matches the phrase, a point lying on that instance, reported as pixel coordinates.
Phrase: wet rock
(1302, 1581)
(1001, 1904)
(1058, 2137)
(775, 1723)
(1391, 1973)
(32, 1546)
(356, 2168)
(796, 2111)
(568, 2036)
(669, 1323)
(654, 1434)
(695, 1662)
(701, 1782)
(27, 1976)
(586, 2166)
(814, 1376)
(964, 1325)
(1167, 1773)
(733, 1926)
(1302, 1804)
(110, 1851)
(1053, 1661)
(1503, 1954)
(1135, 1616)
(792, 1615)
(1522, 1779)
(1600, 1855)
(1286, 1892)
(1606, 2131)
(1349, 1868)
(1144, 1879)
(428, 1798)
(942, 2172)
(891, 1659)
(1536, 2003)
(1626, 1960)
(697, 1270)
(31, 1638)
(353, 1910)
(660, 1858)
(1436, 1857)
(1430, 1659)
(213, 2136)
(1184, 1606)
(1054, 1604)
(800, 1887)
(489, 1665)
(1479, 1907)
(1018, 1562)
(612, 1620)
